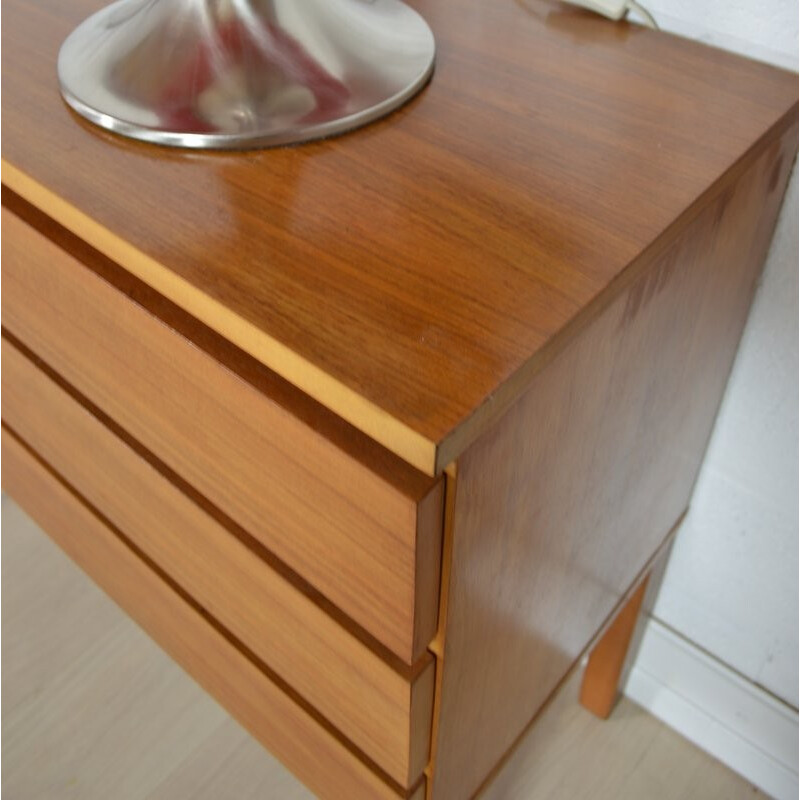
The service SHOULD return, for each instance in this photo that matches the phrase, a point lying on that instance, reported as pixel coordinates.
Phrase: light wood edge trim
(490, 411)
(437, 646)
(420, 723)
(27, 480)
(363, 414)
(428, 567)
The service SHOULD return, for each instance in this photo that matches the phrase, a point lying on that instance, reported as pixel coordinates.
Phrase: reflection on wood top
(412, 275)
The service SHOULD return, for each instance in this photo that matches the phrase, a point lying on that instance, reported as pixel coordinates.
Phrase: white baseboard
(732, 719)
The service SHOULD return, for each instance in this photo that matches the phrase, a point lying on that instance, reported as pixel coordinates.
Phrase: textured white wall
(761, 29)
(731, 585)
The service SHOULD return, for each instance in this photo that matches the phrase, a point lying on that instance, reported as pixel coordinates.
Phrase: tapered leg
(601, 679)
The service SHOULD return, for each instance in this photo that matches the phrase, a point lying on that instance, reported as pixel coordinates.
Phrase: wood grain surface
(412, 276)
(559, 508)
(386, 713)
(362, 530)
(324, 762)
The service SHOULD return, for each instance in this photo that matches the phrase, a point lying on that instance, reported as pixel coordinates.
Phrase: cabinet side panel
(562, 503)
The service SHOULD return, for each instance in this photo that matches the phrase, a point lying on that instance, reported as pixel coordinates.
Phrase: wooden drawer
(384, 710)
(295, 734)
(360, 525)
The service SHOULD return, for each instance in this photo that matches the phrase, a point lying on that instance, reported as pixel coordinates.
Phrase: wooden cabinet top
(412, 276)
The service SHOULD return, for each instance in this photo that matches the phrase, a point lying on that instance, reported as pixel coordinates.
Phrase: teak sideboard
(377, 435)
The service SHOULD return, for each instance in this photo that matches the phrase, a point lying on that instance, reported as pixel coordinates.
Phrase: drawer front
(384, 711)
(358, 524)
(295, 735)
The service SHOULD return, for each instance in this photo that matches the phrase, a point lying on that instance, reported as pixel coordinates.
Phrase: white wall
(731, 585)
(761, 29)
(723, 639)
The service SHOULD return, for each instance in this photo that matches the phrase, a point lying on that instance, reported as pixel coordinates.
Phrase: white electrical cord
(649, 19)
(614, 9)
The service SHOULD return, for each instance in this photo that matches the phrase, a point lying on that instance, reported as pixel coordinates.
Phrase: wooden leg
(601, 679)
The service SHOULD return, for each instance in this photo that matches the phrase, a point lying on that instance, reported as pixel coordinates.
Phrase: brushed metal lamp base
(244, 73)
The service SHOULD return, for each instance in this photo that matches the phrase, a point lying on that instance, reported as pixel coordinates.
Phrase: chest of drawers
(373, 436)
